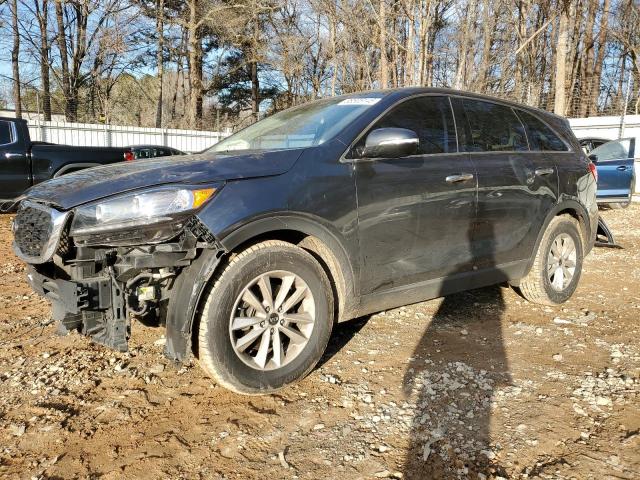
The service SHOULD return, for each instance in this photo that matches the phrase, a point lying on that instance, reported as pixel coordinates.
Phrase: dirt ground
(476, 385)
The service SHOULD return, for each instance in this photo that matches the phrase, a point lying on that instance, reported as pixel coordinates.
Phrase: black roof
(409, 91)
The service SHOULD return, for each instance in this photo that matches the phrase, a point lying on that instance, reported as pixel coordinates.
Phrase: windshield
(299, 127)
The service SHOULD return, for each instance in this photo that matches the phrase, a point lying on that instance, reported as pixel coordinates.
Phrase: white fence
(610, 128)
(88, 134)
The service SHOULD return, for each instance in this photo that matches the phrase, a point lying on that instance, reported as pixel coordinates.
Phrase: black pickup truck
(24, 163)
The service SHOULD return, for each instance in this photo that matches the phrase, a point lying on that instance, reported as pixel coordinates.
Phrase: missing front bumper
(94, 306)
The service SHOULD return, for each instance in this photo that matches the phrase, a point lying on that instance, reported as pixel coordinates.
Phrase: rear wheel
(556, 270)
(267, 319)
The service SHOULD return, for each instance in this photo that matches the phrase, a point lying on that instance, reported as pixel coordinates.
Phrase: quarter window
(5, 133)
(430, 118)
(493, 128)
(541, 137)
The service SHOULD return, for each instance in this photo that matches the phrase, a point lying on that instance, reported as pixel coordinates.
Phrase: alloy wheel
(561, 262)
(272, 320)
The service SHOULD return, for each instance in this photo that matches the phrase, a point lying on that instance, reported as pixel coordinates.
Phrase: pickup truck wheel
(267, 319)
(557, 266)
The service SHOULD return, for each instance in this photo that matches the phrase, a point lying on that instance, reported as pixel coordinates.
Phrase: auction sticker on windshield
(359, 101)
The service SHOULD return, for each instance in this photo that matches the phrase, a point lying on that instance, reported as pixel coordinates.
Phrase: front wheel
(267, 319)
(556, 269)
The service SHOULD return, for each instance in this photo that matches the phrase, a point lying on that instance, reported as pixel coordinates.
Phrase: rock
(579, 410)
(18, 430)
(558, 357)
(603, 401)
(614, 460)
(561, 321)
(318, 426)
(464, 332)
(157, 368)
(489, 454)
(383, 474)
(283, 461)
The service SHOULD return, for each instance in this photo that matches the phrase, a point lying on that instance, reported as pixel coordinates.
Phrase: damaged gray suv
(249, 253)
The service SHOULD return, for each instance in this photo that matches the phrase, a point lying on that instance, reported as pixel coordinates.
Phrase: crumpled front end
(99, 290)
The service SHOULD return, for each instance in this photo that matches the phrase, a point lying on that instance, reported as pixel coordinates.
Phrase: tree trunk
(488, 19)
(255, 88)
(64, 60)
(523, 14)
(160, 58)
(597, 70)
(586, 74)
(382, 24)
(559, 106)
(15, 59)
(43, 21)
(253, 70)
(409, 69)
(195, 67)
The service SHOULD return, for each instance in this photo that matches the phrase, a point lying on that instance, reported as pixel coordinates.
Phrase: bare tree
(15, 59)
(561, 59)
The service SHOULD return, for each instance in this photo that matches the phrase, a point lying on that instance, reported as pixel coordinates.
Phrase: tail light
(594, 170)
(128, 156)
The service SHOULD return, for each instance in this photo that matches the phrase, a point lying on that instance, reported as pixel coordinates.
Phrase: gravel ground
(476, 385)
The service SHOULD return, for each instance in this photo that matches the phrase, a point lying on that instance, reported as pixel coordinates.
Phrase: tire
(228, 319)
(537, 286)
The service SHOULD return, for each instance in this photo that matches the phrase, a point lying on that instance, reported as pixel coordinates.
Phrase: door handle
(622, 168)
(463, 177)
(540, 172)
(12, 156)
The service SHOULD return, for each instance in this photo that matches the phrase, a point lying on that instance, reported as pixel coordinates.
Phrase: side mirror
(390, 143)
(593, 158)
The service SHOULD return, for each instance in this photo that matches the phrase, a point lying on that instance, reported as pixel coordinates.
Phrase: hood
(84, 186)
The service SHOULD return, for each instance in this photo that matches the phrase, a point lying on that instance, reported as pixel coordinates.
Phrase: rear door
(15, 170)
(415, 213)
(614, 161)
(516, 187)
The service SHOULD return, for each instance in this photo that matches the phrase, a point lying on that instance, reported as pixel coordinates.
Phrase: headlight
(149, 216)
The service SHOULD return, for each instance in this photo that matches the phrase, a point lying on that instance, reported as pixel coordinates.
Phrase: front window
(299, 127)
(615, 150)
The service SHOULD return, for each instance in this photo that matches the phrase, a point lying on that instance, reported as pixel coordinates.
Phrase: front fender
(185, 299)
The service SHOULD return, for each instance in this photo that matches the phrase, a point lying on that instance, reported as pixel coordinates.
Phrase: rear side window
(432, 120)
(494, 128)
(541, 137)
(5, 133)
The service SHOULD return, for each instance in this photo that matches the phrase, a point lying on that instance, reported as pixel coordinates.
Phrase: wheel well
(320, 251)
(581, 222)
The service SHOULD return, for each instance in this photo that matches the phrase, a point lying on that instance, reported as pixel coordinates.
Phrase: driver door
(415, 213)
